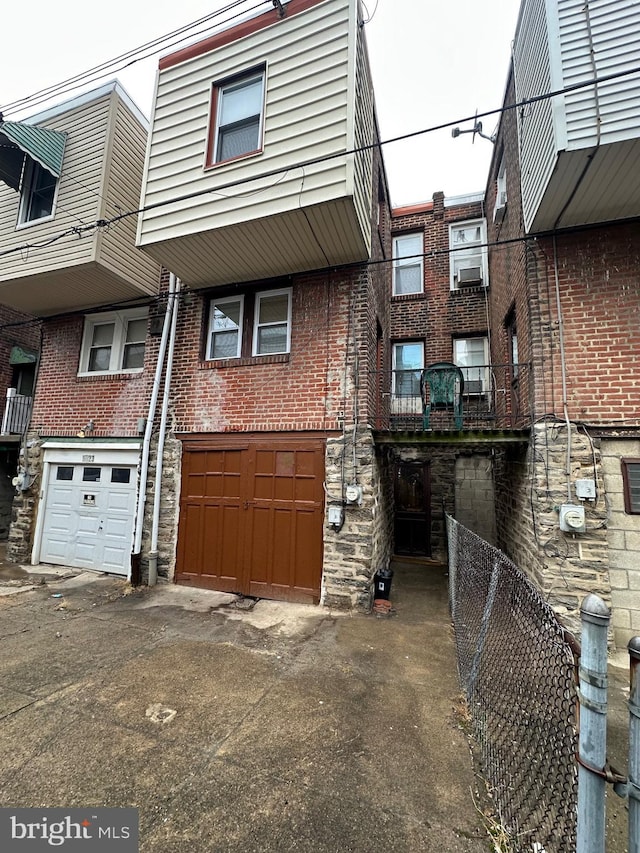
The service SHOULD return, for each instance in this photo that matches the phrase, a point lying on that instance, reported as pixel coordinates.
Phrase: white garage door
(88, 517)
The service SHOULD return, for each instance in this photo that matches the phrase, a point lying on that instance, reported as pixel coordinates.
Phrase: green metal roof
(41, 144)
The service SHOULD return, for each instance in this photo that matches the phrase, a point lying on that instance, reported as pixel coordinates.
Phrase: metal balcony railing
(495, 396)
(17, 411)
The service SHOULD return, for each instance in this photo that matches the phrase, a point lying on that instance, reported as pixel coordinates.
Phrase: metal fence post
(592, 695)
(633, 788)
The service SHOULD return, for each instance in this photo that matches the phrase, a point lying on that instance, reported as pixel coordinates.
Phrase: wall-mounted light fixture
(88, 428)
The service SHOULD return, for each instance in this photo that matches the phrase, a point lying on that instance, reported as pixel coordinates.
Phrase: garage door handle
(247, 504)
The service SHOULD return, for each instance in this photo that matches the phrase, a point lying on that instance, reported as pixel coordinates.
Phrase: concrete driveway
(238, 727)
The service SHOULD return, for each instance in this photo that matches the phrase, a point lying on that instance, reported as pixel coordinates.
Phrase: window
(407, 264)
(501, 192)
(512, 341)
(472, 355)
(408, 362)
(272, 325)
(225, 328)
(114, 343)
(468, 254)
(237, 117)
(233, 334)
(64, 472)
(38, 193)
(631, 483)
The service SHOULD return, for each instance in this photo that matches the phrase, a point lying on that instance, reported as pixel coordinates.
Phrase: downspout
(146, 443)
(563, 367)
(153, 553)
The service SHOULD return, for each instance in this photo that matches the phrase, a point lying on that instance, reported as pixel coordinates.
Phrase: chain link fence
(517, 667)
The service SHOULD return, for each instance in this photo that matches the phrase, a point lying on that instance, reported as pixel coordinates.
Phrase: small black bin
(382, 583)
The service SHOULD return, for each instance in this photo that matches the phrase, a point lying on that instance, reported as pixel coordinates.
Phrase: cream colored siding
(307, 78)
(364, 133)
(612, 29)
(77, 202)
(532, 72)
(124, 156)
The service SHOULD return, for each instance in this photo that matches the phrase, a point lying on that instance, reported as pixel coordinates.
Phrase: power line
(238, 182)
(130, 57)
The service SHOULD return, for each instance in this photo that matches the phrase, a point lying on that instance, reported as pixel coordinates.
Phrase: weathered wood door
(251, 517)
(412, 509)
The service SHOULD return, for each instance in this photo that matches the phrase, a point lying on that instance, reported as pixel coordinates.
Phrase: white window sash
(212, 331)
(242, 120)
(120, 319)
(257, 326)
(407, 258)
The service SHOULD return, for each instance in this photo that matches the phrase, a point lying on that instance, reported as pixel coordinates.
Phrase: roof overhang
(19, 140)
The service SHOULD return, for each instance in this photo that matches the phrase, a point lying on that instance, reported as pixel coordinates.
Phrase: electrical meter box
(585, 489)
(572, 519)
(336, 515)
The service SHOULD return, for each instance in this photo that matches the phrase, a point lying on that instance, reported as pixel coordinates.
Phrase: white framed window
(408, 277)
(114, 342)
(501, 191)
(272, 322)
(38, 195)
(468, 254)
(226, 316)
(408, 363)
(237, 117)
(472, 355)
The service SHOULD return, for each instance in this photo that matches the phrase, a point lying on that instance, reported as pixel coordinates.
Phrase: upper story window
(631, 483)
(408, 363)
(408, 277)
(225, 327)
(472, 355)
(235, 330)
(38, 193)
(114, 343)
(237, 117)
(501, 191)
(468, 254)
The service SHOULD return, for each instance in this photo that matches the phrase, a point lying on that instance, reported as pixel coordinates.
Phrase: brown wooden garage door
(251, 516)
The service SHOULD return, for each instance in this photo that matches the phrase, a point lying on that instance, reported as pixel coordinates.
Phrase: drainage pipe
(563, 366)
(146, 443)
(153, 553)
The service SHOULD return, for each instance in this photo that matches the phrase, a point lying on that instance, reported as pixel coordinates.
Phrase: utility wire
(128, 58)
(238, 182)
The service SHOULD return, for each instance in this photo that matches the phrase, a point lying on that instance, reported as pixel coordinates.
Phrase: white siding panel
(364, 136)
(533, 76)
(608, 30)
(306, 117)
(78, 199)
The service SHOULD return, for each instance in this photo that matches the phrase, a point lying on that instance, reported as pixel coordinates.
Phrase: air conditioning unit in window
(473, 386)
(469, 275)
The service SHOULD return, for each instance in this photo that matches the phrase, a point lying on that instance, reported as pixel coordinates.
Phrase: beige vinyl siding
(533, 76)
(307, 100)
(77, 203)
(364, 133)
(615, 37)
(124, 159)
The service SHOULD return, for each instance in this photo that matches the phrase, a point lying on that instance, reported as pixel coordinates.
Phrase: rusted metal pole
(633, 785)
(592, 745)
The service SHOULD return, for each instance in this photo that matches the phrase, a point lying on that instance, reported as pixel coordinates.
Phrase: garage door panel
(245, 532)
(119, 501)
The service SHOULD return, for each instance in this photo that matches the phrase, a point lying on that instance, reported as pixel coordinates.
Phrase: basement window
(631, 485)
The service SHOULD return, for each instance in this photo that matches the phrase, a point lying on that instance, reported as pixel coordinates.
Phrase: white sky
(433, 61)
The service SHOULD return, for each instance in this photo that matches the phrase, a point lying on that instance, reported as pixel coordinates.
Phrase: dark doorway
(412, 509)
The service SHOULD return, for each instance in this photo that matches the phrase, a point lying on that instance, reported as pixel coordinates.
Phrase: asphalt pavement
(235, 725)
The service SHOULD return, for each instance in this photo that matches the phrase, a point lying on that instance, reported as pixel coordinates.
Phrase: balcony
(17, 411)
(496, 398)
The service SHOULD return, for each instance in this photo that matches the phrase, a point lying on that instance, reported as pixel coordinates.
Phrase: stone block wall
(623, 540)
(25, 503)
(474, 494)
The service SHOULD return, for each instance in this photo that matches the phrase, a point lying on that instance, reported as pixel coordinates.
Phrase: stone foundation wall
(623, 540)
(169, 507)
(25, 503)
(353, 554)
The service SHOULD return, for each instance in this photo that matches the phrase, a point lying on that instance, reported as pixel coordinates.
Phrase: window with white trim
(501, 191)
(237, 117)
(38, 193)
(225, 327)
(408, 363)
(252, 324)
(472, 355)
(272, 322)
(408, 277)
(468, 254)
(114, 342)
